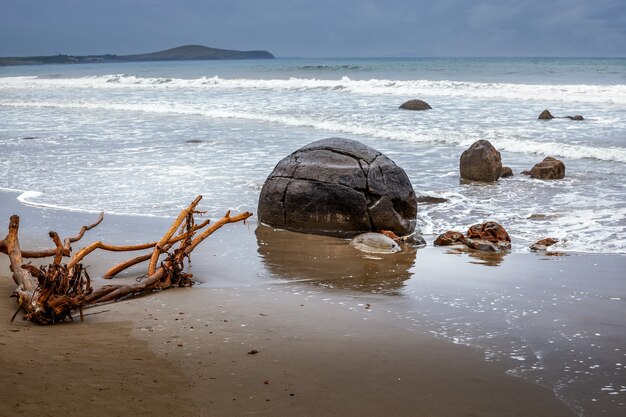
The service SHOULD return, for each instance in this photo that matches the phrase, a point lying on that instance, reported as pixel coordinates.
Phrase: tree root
(52, 293)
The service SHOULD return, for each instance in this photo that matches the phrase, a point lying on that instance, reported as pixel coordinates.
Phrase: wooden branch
(58, 252)
(219, 223)
(46, 253)
(68, 241)
(168, 235)
(142, 258)
(49, 294)
(113, 271)
(21, 277)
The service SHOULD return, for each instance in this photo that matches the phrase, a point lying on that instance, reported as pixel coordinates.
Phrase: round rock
(415, 105)
(338, 187)
(375, 243)
(481, 162)
(548, 169)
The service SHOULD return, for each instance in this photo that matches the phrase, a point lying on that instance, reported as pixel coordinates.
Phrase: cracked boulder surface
(338, 187)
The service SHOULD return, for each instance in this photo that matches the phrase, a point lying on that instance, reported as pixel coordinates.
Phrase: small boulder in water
(415, 105)
(546, 115)
(449, 238)
(481, 245)
(543, 244)
(427, 199)
(576, 117)
(375, 243)
(481, 162)
(548, 169)
(491, 232)
(485, 237)
(506, 172)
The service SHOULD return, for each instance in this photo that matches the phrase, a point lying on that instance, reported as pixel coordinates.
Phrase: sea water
(146, 138)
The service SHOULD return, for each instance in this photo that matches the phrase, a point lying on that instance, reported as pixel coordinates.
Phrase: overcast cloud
(318, 28)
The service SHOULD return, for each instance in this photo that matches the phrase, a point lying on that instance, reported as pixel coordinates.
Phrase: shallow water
(560, 319)
(146, 138)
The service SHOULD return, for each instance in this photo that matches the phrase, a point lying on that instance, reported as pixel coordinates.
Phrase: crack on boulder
(282, 202)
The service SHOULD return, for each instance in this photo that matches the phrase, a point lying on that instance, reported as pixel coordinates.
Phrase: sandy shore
(178, 353)
(246, 342)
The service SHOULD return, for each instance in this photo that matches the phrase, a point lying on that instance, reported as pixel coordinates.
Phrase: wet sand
(190, 352)
(247, 341)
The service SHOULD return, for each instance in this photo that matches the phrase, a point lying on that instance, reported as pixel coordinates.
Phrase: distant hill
(182, 53)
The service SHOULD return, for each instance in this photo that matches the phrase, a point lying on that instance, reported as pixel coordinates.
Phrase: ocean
(144, 139)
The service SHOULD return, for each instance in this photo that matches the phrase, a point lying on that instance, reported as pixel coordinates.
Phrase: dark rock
(481, 162)
(546, 115)
(415, 105)
(449, 238)
(338, 187)
(543, 244)
(426, 199)
(194, 141)
(506, 172)
(576, 117)
(525, 172)
(548, 169)
(481, 245)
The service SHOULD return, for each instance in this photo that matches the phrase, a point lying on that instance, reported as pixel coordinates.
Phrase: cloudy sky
(317, 28)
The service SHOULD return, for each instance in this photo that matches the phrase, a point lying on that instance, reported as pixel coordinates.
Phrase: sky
(317, 28)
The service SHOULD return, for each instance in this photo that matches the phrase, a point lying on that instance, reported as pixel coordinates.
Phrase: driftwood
(52, 293)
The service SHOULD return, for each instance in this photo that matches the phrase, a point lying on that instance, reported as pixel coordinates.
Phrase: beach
(248, 340)
(190, 352)
(282, 323)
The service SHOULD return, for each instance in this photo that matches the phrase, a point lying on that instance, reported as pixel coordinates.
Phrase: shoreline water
(253, 273)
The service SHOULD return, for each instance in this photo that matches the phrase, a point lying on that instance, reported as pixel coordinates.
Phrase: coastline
(339, 350)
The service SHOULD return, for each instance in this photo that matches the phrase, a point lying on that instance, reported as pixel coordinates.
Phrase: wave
(522, 145)
(579, 93)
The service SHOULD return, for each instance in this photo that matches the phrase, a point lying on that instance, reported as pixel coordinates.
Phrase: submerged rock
(449, 238)
(481, 245)
(488, 237)
(415, 105)
(338, 187)
(375, 243)
(546, 115)
(491, 232)
(506, 172)
(427, 199)
(481, 162)
(548, 169)
(543, 244)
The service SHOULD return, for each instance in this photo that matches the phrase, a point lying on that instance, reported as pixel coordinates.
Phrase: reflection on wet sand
(481, 257)
(332, 262)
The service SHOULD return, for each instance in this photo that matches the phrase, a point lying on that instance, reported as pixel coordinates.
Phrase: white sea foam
(566, 93)
(521, 145)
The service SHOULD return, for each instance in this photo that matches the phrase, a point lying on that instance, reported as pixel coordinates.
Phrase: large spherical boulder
(481, 162)
(415, 105)
(338, 187)
(548, 169)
